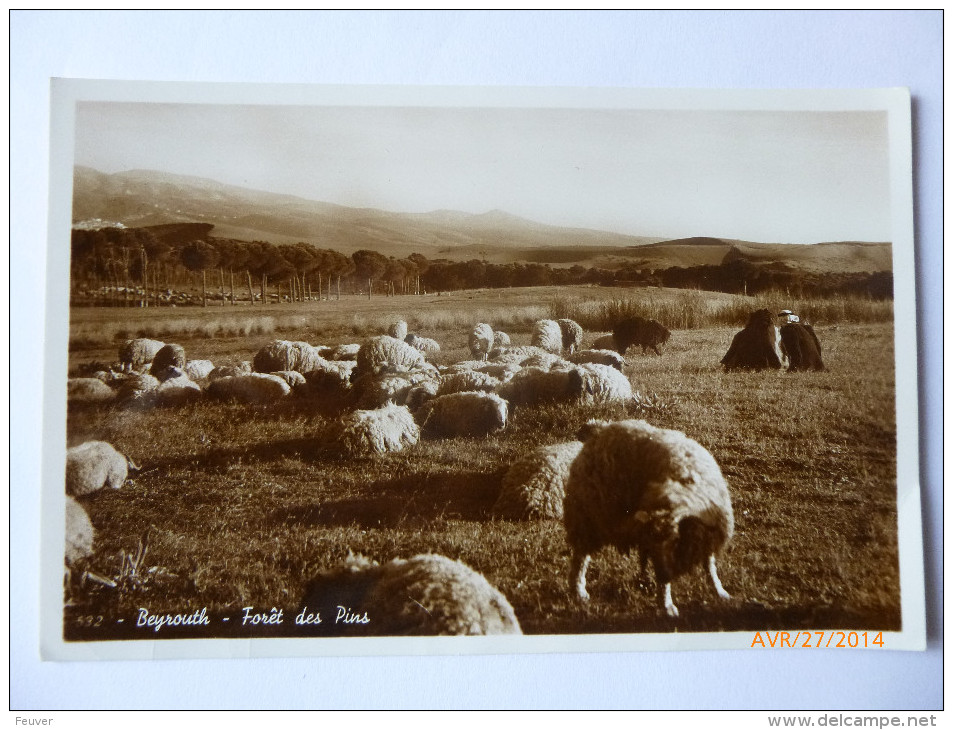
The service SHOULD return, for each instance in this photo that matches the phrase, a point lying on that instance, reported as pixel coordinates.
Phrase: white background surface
(771, 49)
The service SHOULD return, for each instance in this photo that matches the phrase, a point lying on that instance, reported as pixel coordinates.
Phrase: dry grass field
(237, 506)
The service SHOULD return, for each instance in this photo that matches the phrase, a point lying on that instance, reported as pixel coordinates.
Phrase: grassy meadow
(237, 505)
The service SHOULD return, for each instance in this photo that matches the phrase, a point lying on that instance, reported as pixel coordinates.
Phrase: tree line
(155, 265)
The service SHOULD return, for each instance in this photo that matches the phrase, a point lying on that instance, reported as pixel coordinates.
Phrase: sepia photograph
(588, 369)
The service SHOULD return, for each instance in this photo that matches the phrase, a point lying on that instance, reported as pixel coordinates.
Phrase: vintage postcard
(379, 370)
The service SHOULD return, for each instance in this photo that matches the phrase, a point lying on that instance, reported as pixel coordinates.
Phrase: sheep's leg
(719, 588)
(577, 575)
(666, 595)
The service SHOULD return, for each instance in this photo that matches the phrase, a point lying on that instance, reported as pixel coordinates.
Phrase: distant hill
(149, 198)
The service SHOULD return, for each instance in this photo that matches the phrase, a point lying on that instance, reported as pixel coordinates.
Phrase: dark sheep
(756, 346)
(802, 347)
(640, 331)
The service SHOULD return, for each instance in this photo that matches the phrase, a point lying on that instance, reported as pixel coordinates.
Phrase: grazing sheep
(170, 356)
(398, 330)
(639, 331)
(198, 369)
(229, 371)
(463, 414)
(598, 357)
(285, 355)
(756, 347)
(534, 486)
(426, 345)
(467, 380)
(656, 490)
(136, 354)
(383, 354)
(606, 342)
(548, 336)
(426, 595)
(602, 383)
(799, 342)
(79, 532)
(88, 390)
(373, 432)
(571, 333)
(249, 388)
(344, 352)
(94, 465)
(481, 341)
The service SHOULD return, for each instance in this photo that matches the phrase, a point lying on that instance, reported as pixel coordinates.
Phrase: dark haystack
(756, 346)
(639, 331)
(802, 347)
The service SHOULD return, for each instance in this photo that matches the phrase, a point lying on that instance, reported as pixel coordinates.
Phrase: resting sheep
(602, 383)
(467, 380)
(426, 595)
(79, 532)
(135, 389)
(656, 490)
(756, 347)
(93, 465)
(516, 355)
(463, 414)
(598, 357)
(548, 336)
(199, 369)
(572, 334)
(344, 352)
(426, 345)
(228, 371)
(88, 390)
(170, 356)
(384, 354)
(501, 339)
(286, 355)
(255, 388)
(176, 391)
(535, 485)
(373, 432)
(136, 354)
(481, 341)
(375, 391)
(398, 330)
(646, 333)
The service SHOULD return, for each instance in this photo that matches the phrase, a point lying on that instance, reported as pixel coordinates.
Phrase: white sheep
(249, 388)
(481, 341)
(88, 390)
(373, 432)
(420, 394)
(136, 354)
(598, 357)
(467, 380)
(375, 391)
(426, 595)
(398, 330)
(571, 334)
(463, 414)
(80, 533)
(535, 485)
(637, 486)
(386, 354)
(343, 352)
(228, 371)
(93, 465)
(543, 360)
(199, 369)
(291, 377)
(602, 383)
(286, 355)
(515, 355)
(501, 339)
(426, 345)
(135, 389)
(548, 336)
(176, 391)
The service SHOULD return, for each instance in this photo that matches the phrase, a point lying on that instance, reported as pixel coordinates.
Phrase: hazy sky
(788, 177)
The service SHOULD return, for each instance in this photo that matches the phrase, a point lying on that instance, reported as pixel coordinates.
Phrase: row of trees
(155, 265)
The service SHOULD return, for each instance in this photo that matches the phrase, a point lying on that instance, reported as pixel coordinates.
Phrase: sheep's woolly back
(632, 485)
(374, 432)
(88, 390)
(481, 341)
(291, 377)
(426, 595)
(79, 532)
(548, 336)
(286, 355)
(601, 383)
(93, 465)
(170, 356)
(516, 355)
(136, 389)
(136, 354)
(344, 352)
(542, 360)
(376, 391)
(535, 385)
(501, 339)
(467, 380)
(463, 414)
(535, 486)
(386, 354)
(199, 369)
(249, 388)
(572, 334)
(398, 330)
(598, 357)
(228, 371)
(176, 391)
(426, 345)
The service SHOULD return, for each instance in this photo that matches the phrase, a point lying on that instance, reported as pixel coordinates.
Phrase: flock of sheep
(625, 484)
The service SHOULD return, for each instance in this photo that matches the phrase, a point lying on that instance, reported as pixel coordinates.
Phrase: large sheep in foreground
(572, 334)
(254, 388)
(757, 346)
(548, 335)
(94, 465)
(88, 390)
(79, 532)
(481, 341)
(384, 354)
(373, 432)
(426, 595)
(286, 355)
(463, 414)
(646, 333)
(534, 486)
(136, 354)
(655, 490)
